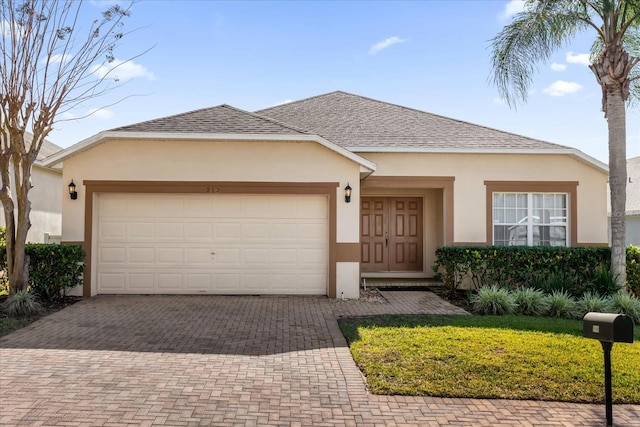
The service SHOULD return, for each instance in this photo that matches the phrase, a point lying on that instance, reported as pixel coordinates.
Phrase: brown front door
(391, 233)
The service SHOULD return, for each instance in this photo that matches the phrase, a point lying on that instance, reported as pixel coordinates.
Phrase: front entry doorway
(391, 234)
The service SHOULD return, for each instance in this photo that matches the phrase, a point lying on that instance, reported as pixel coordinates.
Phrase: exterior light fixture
(347, 193)
(72, 191)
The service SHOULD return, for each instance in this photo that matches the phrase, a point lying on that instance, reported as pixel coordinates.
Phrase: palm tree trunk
(616, 122)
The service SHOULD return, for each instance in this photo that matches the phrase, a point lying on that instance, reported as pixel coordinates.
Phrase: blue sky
(429, 55)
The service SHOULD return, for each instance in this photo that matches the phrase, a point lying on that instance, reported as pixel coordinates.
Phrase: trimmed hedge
(575, 270)
(53, 269)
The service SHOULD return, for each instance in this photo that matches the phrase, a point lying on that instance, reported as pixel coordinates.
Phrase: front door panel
(375, 223)
(391, 234)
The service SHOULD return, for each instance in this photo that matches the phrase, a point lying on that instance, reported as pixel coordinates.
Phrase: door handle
(386, 238)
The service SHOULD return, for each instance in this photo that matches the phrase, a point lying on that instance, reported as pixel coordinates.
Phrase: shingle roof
(222, 119)
(354, 121)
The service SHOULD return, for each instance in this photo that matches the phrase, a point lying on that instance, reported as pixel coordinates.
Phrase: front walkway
(214, 360)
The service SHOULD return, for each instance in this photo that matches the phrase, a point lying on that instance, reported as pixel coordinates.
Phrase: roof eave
(579, 155)
(56, 159)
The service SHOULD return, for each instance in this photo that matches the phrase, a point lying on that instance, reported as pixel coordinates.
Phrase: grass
(505, 357)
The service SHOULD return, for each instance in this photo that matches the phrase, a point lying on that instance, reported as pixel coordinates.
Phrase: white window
(531, 219)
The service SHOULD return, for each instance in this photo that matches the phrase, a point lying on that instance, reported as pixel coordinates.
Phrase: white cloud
(385, 44)
(578, 58)
(122, 71)
(512, 8)
(562, 88)
(100, 113)
(558, 67)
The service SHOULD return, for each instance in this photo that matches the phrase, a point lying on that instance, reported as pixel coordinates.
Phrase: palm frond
(529, 40)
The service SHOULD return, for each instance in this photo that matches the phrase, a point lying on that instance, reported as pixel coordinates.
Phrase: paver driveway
(196, 360)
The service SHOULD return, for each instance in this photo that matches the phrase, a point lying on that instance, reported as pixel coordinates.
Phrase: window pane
(498, 216)
(498, 200)
(544, 235)
(510, 200)
(518, 235)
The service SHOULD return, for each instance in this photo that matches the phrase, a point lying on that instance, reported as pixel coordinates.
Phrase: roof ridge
(302, 100)
(171, 116)
(268, 119)
(453, 119)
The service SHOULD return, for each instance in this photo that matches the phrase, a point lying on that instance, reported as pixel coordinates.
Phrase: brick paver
(215, 360)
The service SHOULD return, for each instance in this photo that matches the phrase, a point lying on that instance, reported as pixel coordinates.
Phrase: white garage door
(212, 244)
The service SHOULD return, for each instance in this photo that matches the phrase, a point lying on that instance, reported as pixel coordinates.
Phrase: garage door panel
(256, 232)
(227, 231)
(112, 281)
(199, 231)
(169, 256)
(141, 281)
(112, 230)
(137, 256)
(141, 208)
(198, 282)
(141, 230)
(112, 255)
(168, 281)
(225, 244)
(198, 256)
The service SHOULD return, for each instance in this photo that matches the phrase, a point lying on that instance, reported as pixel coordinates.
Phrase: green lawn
(506, 357)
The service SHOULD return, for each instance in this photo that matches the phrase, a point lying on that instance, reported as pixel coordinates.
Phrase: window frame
(568, 187)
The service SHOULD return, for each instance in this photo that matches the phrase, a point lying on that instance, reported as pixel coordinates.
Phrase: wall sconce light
(72, 191)
(347, 193)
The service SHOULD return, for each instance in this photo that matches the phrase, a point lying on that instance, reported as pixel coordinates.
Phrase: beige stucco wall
(472, 170)
(252, 161)
(231, 161)
(46, 204)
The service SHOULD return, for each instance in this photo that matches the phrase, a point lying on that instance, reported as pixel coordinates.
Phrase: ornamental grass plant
(530, 302)
(493, 300)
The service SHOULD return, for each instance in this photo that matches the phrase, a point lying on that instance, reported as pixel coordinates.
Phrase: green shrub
(593, 302)
(516, 266)
(22, 303)
(3, 236)
(602, 282)
(628, 304)
(558, 281)
(561, 304)
(633, 269)
(53, 269)
(493, 300)
(530, 302)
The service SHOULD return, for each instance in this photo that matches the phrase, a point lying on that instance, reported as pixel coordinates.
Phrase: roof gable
(358, 123)
(222, 119)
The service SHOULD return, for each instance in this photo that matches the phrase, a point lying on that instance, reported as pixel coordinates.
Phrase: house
(45, 197)
(632, 214)
(310, 196)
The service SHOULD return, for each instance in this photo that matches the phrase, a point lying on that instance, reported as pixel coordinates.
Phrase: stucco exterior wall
(46, 204)
(125, 160)
(632, 230)
(221, 161)
(472, 170)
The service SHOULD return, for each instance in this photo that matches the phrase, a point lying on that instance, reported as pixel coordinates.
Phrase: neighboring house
(225, 201)
(45, 197)
(632, 215)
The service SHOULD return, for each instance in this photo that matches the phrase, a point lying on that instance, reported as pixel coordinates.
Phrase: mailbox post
(608, 328)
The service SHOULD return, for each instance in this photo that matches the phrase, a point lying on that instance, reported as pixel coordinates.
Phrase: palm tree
(543, 27)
